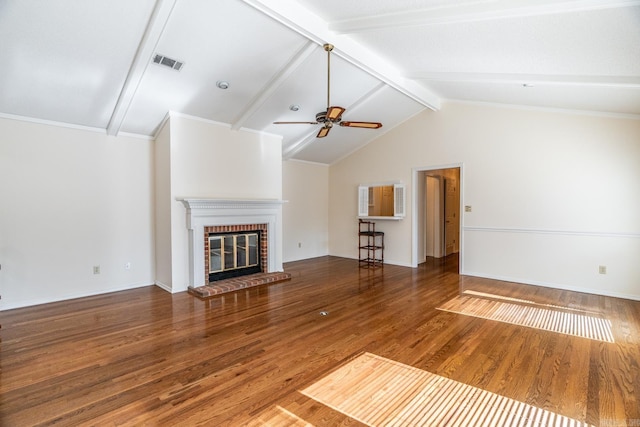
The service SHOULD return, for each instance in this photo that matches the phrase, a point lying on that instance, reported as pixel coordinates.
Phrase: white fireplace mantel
(202, 213)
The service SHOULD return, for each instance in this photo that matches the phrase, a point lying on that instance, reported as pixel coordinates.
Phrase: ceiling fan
(333, 114)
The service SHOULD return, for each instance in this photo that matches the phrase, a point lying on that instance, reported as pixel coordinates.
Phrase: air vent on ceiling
(167, 62)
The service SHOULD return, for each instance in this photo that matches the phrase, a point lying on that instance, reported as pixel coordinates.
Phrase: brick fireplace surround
(217, 215)
(264, 238)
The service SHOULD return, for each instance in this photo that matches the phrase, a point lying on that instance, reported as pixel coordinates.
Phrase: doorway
(437, 215)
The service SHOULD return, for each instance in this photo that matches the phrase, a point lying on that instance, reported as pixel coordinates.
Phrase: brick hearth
(261, 214)
(229, 285)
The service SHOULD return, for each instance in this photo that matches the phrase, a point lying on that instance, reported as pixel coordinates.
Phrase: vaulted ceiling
(91, 63)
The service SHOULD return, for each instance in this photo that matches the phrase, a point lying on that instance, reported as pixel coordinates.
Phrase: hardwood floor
(145, 356)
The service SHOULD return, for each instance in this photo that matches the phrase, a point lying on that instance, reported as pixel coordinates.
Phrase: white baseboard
(163, 286)
(552, 285)
(386, 261)
(38, 301)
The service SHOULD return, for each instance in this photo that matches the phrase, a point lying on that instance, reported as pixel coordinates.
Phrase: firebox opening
(233, 254)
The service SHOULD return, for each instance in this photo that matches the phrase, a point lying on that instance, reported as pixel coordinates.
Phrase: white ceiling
(89, 63)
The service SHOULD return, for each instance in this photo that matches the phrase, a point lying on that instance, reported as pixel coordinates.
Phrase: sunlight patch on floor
(504, 298)
(529, 314)
(381, 392)
(278, 416)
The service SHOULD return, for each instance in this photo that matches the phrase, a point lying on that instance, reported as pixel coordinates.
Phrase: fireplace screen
(233, 254)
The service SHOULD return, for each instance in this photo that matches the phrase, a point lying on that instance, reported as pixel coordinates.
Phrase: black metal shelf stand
(370, 245)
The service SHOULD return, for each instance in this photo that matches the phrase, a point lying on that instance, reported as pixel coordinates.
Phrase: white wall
(162, 205)
(209, 160)
(72, 199)
(553, 195)
(305, 216)
(384, 160)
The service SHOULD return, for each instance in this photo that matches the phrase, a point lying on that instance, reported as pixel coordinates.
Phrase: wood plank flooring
(146, 357)
(382, 392)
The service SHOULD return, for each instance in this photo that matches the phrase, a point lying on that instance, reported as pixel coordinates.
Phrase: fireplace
(235, 250)
(233, 255)
(217, 217)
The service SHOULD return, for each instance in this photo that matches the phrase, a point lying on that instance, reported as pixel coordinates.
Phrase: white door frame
(416, 197)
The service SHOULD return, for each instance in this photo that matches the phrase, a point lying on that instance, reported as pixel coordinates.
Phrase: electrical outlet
(127, 266)
(467, 208)
(602, 269)
(96, 269)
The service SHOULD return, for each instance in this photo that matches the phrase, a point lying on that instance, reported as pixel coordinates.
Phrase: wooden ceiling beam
(471, 12)
(159, 18)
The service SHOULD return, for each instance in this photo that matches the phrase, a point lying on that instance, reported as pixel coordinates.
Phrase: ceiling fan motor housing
(333, 114)
(321, 117)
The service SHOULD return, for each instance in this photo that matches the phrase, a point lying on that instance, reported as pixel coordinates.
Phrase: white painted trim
(380, 183)
(155, 28)
(534, 79)
(214, 212)
(295, 16)
(389, 218)
(213, 204)
(299, 145)
(386, 261)
(269, 89)
(293, 149)
(172, 114)
(51, 123)
(550, 231)
(363, 200)
(379, 134)
(136, 136)
(414, 210)
(367, 96)
(603, 292)
(47, 300)
(627, 116)
(162, 124)
(73, 126)
(306, 140)
(164, 287)
(470, 12)
(398, 263)
(307, 162)
(261, 132)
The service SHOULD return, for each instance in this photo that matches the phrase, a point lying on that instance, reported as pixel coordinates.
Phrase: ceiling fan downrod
(328, 48)
(333, 114)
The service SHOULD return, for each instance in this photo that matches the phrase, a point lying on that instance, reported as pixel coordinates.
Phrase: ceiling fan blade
(334, 113)
(367, 125)
(295, 123)
(324, 131)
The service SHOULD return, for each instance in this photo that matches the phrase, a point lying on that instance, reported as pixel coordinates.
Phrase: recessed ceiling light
(294, 107)
(222, 84)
